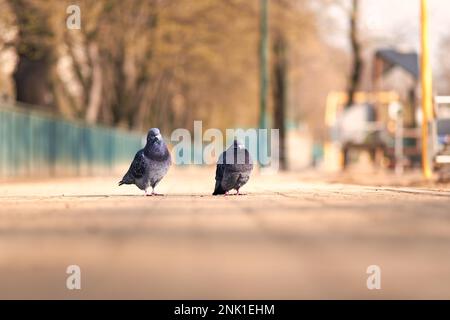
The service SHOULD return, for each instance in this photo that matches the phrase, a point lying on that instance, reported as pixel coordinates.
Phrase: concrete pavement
(290, 237)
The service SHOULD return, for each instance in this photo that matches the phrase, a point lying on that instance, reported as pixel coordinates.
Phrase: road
(288, 238)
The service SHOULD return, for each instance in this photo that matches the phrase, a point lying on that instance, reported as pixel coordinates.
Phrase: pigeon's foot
(153, 194)
(240, 193)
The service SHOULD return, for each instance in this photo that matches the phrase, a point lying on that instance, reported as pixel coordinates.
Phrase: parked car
(441, 160)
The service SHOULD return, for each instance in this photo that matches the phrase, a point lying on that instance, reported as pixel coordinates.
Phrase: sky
(397, 22)
(383, 16)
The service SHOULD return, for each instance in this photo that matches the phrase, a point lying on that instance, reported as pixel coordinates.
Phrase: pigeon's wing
(220, 169)
(137, 169)
(139, 165)
(230, 179)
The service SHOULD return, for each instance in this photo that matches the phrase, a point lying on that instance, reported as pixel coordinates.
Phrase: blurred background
(340, 79)
(359, 90)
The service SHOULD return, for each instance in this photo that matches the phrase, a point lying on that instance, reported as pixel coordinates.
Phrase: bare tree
(357, 60)
(36, 56)
(162, 63)
(280, 76)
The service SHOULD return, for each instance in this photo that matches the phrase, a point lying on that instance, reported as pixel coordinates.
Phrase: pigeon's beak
(159, 137)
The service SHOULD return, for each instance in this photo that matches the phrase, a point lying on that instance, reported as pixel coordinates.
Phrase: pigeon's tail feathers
(126, 180)
(218, 190)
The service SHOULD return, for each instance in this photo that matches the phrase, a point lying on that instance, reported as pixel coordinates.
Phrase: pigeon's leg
(238, 193)
(226, 194)
(156, 194)
(147, 194)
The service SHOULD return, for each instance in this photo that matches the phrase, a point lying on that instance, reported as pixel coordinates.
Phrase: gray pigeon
(233, 169)
(150, 164)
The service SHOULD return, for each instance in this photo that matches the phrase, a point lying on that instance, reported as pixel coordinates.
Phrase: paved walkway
(288, 238)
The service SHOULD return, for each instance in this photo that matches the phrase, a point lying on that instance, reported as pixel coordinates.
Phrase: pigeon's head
(237, 144)
(154, 136)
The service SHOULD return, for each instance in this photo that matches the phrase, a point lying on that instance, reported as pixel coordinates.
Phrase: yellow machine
(334, 153)
(333, 150)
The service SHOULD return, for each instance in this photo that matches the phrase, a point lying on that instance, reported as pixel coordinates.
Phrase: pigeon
(150, 164)
(233, 169)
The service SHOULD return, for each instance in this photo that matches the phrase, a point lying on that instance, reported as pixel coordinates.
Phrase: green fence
(37, 144)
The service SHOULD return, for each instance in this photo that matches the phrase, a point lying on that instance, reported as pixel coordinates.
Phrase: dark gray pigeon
(150, 164)
(233, 169)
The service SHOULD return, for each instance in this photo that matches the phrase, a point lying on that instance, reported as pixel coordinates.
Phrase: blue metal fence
(37, 144)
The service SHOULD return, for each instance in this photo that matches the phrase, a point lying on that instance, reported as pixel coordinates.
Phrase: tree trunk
(33, 74)
(32, 81)
(95, 90)
(357, 62)
(279, 94)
